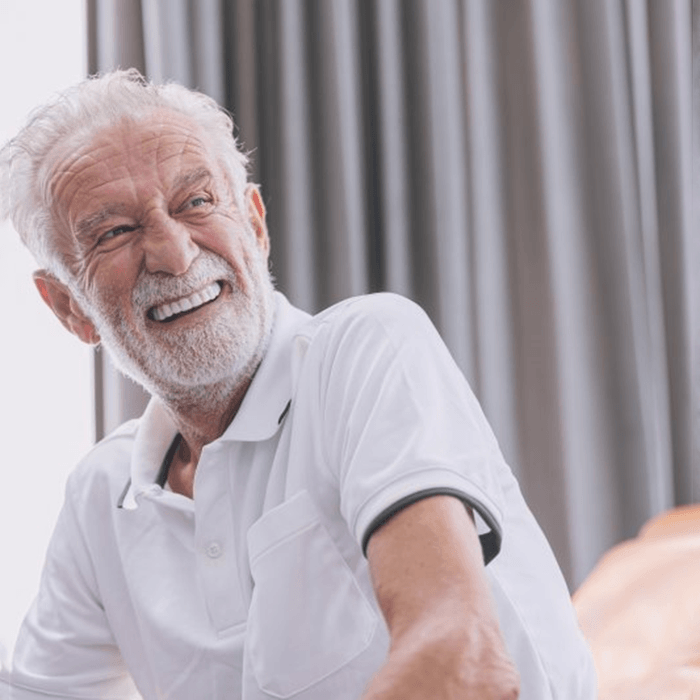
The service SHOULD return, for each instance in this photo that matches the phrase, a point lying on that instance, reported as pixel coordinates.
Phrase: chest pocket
(308, 616)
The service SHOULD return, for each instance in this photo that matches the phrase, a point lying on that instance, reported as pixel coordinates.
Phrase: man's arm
(429, 578)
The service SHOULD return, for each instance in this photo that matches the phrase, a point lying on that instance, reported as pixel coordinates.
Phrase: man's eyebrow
(85, 227)
(191, 177)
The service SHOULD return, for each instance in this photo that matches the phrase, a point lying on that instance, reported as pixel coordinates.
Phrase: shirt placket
(215, 541)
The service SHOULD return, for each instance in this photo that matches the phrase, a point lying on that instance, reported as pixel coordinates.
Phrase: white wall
(46, 421)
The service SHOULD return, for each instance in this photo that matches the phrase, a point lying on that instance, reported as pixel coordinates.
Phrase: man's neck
(201, 416)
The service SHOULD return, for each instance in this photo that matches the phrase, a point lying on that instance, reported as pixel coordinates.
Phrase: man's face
(172, 274)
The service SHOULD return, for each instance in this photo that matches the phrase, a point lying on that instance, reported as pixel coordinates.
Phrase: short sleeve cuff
(414, 487)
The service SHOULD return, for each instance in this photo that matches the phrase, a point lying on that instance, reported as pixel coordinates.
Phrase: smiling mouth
(164, 313)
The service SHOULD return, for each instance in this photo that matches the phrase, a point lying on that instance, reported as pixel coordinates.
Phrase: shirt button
(213, 550)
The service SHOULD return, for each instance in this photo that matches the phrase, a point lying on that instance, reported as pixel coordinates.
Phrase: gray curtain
(520, 168)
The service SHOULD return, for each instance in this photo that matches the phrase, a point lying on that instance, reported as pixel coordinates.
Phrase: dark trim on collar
(122, 496)
(285, 412)
(162, 472)
(167, 461)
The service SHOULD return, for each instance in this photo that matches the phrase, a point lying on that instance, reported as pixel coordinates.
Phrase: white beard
(186, 362)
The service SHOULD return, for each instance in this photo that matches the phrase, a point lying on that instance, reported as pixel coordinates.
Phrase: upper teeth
(160, 313)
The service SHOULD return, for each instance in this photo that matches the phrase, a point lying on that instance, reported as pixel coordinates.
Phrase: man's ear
(256, 216)
(59, 299)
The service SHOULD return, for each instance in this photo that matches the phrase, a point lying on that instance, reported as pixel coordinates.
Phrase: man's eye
(197, 202)
(114, 232)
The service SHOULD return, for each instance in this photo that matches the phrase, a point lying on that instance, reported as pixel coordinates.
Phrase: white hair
(74, 117)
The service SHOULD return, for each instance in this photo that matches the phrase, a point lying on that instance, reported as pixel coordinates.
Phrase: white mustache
(153, 289)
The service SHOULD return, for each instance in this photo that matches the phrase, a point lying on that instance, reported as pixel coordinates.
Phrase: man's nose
(169, 247)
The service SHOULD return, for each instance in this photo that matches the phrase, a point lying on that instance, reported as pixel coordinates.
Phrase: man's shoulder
(385, 310)
(365, 331)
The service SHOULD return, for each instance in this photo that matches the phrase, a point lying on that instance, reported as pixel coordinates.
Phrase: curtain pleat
(387, 145)
(657, 389)
(521, 169)
(115, 35)
(447, 161)
(694, 258)
(670, 39)
(244, 85)
(293, 188)
(494, 343)
(614, 215)
(571, 333)
(338, 192)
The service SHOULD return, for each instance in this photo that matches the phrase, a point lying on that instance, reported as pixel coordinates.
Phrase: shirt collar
(258, 418)
(263, 406)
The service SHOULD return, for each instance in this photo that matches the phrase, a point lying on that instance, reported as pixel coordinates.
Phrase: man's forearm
(430, 582)
(447, 661)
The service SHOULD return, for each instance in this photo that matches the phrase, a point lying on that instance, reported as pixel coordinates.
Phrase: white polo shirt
(258, 588)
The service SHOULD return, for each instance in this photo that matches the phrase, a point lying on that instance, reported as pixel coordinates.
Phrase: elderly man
(310, 507)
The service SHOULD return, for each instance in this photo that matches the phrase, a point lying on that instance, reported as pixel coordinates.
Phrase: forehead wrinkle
(179, 153)
(181, 134)
(82, 174)
(60, 177)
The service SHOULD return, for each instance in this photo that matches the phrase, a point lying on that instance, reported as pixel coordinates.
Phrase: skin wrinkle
(86, 228)
(57, 182)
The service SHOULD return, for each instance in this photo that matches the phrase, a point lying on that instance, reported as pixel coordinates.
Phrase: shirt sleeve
(401, 421)
(65, 648)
